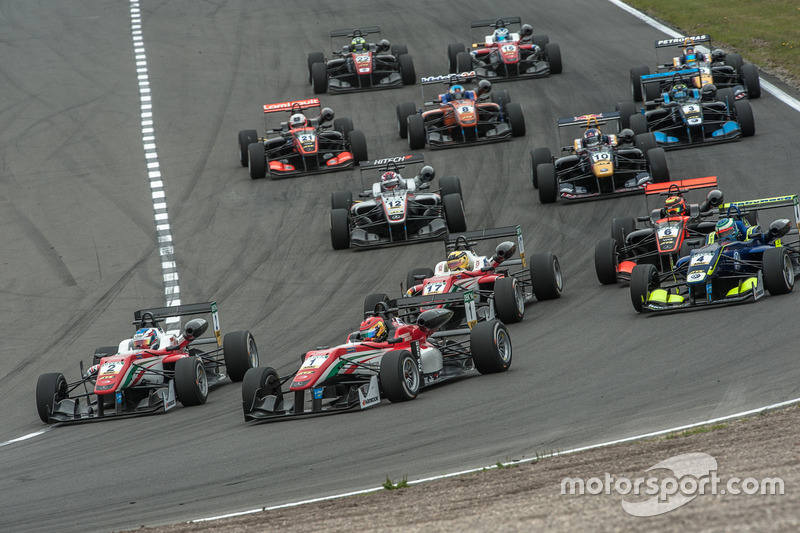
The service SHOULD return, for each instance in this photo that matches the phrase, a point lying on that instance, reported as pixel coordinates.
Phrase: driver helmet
(717, 55)
(145, 339)
(373, 329)
(592, 137)
(726, 230)
(679, 92)
(389, 181)
(675, 205)
(689, 55)
(458, 260)
(501, 35)
(456, 92)
(358, 44)
(298, 120)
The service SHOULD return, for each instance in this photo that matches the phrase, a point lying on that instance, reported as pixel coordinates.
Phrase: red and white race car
(147, 373)
(362, 371)
(303, 144)
(501, 285)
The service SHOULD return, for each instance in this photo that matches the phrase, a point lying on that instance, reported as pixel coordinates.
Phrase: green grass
(388, 485)
(696, 431)
(764, 32)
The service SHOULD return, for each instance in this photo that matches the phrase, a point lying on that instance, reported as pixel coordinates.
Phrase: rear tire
(490, 346)
(659, 170)
(778, 271)
(606, 259)
(636, 81)
(246, 138)
(751, 81)
(399, 376)
(417, 272)
(50, 388)
(240, 353)
(463, 62)
(340, 229)
(734, 60)
(546, 276)
(548, 183)
(645, 142)
(358, 146)
(191, 382)
(404, 110)
(371, 300)
(620, 227)
(452, 55)
(643, 279)
(454, 213)
(343, 125)
(451, 185)
(501, 97)
(626, 110)
(509, 302)
(638, 123)
(314, 57)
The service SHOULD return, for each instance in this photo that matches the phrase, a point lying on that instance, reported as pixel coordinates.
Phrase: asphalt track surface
(79, 256)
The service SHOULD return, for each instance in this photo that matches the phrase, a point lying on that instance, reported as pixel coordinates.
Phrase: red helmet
(675, 205)
(145, 339)
(373, 329)
(389, 181)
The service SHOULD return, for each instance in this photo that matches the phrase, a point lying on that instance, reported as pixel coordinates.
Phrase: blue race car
(683, 116)
(738, 262)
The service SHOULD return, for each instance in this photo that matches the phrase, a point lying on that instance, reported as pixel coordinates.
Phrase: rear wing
(392, 162)
(682, 185)
(412, 305)
(594, 119)
(683, 41)
(449, 78)
(153, 315)
(746, 207)
(352, 32)
(476, 236)
(672, 76)
(495, 23)
(290, 106)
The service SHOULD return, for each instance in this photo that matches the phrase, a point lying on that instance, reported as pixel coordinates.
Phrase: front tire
(516, 119)
(260, 382)
(240, 353)
(319, 76)
(643, 279)
(50, 388)
(341, 200)
(539, 156)
(257, 161)
(191, 382)
(778, 271)
(416, 132)
(407, 72)
(548, 183)
(340, 229)
(399, 376)
(744, 116)
(491, 348)
(553, 53)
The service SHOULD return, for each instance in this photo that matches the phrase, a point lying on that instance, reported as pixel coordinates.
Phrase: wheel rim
(503, 345)
(410, 375)
(788, 271)
(520, 298)
(557, 273)
(252, 351)
(201, 379)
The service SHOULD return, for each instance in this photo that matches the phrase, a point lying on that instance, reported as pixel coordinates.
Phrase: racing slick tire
(501, 97)
(341, 200)
(539, 156)
(744, 116)
(372, 300)
(509, 302)
(399, 376)
(416, 132)
(638, 123)
(404, 110)
(643, 279)
(626, 110)
(651, 92)
(606, 259)
(548, 183)
(257, 161)
(451, 185)
(452, 56)
(340, 229)
(463, 62)
(726, 96)
(540, 40)
(490, 346)
(246, 138)
(343, 125)
(620, 227)
(407, 72)
(659, 170)
(553, 53)
(50, 388)
(751, 81)
(358, 146)
(240, 353)
(636, 81)
(314, 57)
(191, 382)
(319, 75)
(414, 273)
(399, 49)
(264, 379)
(103, 351)
(645, 142)
(454, 213)
(734, 60)
(516, 119)
(546, 276)
(778, 271)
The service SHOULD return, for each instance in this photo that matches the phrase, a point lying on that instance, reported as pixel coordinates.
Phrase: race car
(502, 285)
(459, 117)
(683, 116)
(369, 367)
(669, 233)
(358, 65)
(736, 265)
(724, 71)
(595, 164)
(301, 145)
(395, 209)
(147, 373)
(510, 52)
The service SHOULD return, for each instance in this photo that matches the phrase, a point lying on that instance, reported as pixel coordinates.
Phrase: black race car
(358, 65)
